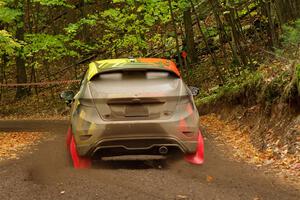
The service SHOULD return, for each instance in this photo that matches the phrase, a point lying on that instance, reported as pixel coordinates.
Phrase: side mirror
(195, 91)
(67, 96)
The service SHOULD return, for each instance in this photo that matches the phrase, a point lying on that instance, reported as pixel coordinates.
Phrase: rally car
(133, 107)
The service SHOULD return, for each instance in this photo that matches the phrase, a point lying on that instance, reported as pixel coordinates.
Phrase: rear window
(125, 75)
(127, 83)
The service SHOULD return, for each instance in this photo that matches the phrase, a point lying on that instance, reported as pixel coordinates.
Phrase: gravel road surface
(46, 173)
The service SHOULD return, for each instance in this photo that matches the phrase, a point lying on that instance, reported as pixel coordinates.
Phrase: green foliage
(245, 10)
(8, 15)
(73, 28)
(51, 47)
(291, 34)
(128, 28)
(210, 32)
(80, 46)
(7, 43)
(41, 45)
(54, 3)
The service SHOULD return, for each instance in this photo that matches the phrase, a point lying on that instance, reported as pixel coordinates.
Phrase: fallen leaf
(209, 178)
(179, 196)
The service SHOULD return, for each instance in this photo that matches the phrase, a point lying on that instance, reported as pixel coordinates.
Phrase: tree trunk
(33, 79)
(83, 15)
(20, 65)
(175, 32)
(2, 74)
(297, 2)
(236, 36)
(278, 13)
(48, 74)
(189, 34)
(213, 56)
(289, 9)
(222, 33)
(271, 28)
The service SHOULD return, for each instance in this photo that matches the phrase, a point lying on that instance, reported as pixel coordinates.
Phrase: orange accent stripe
(167, 63)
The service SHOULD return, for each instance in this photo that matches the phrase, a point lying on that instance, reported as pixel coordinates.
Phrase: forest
(227, 43)
(243, 55)
(239, 52)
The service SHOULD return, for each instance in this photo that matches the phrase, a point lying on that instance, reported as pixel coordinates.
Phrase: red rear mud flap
(198, 157)
(78, 162)
(69, 137)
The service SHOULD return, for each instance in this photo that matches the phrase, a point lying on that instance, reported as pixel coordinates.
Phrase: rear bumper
(131, 136)
(136, 145)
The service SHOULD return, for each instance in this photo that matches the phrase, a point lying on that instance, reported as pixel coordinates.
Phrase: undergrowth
(271, 83)
(261, 86)
(298, 77)
(241, 85)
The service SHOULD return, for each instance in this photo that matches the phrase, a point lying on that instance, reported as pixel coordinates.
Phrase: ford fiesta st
(133, 107)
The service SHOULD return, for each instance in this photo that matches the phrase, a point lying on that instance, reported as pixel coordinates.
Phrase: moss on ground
(267, 89)
(248, 81)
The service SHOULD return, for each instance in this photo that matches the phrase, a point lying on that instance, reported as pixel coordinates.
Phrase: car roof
(101, 66)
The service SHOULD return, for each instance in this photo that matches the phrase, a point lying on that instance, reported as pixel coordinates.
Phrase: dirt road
(47, 174)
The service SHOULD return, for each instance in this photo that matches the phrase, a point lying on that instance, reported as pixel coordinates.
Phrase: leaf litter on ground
(12, 144)
(230, 134)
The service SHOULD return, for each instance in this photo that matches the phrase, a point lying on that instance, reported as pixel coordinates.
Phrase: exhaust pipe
(163, 150)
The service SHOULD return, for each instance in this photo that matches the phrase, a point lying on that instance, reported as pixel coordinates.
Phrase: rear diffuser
(134, 158)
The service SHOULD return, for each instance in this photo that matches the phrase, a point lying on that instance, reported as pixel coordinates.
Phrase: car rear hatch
(136, 94)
